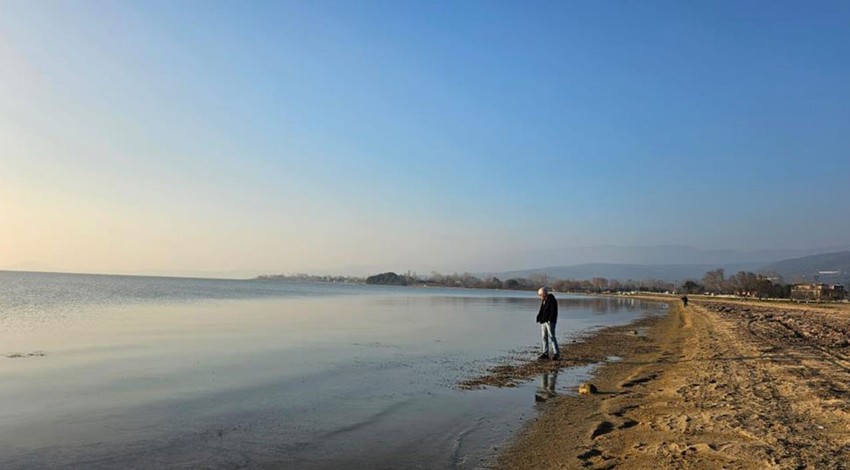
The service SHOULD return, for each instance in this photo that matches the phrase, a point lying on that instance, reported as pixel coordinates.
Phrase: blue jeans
(548, 330)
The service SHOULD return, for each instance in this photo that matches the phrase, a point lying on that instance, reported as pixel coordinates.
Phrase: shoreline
(716, 384)
(557, 437)
(588, 348)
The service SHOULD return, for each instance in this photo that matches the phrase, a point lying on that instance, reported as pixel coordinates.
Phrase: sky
(354, 137)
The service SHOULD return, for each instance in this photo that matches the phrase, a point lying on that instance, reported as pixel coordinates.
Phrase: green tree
(692, 287)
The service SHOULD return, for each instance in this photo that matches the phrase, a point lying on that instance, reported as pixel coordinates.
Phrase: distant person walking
(685, 300)
(548, 317)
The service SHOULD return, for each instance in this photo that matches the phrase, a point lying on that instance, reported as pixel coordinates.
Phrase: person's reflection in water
(548, 381)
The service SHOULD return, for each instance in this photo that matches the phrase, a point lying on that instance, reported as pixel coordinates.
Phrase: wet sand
(719, 384)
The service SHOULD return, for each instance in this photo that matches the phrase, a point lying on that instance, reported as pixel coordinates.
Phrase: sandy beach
(717, 384)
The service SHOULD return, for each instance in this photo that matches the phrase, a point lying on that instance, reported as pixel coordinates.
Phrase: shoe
(556, 357)
(543, 357)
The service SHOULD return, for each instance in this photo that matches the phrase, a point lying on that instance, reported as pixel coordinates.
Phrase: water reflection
(448, 300)
(603, 305)
(596, 305)
(548, 382)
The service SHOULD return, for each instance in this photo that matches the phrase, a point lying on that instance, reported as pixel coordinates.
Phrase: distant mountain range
(673, 263)
(666, 272)
(828, 267)
(665, 255)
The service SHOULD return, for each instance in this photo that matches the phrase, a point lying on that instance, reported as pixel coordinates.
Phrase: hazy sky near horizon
(337, 136)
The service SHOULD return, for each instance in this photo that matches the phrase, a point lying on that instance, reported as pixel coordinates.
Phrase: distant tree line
(532, 282)
(311, 278)
(744, 283)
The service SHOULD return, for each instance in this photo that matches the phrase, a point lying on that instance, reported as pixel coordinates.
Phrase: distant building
(817, 292)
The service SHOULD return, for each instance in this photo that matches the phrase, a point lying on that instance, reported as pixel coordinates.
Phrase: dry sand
(714, 385)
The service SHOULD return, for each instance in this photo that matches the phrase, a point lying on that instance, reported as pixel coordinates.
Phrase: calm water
(144, 372)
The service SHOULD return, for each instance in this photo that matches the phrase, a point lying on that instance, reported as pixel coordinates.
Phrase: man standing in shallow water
(548, 317)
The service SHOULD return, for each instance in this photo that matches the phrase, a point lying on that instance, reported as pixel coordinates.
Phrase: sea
(104, 371)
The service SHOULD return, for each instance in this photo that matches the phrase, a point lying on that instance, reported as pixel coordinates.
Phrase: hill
(828, 267)
(387, 279)
(665, 255)
(824, 267)
(622, 272)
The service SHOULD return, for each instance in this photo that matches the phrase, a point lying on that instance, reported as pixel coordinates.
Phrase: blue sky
(334, 136)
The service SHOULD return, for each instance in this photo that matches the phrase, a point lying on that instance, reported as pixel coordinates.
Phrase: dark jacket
(548, 310)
